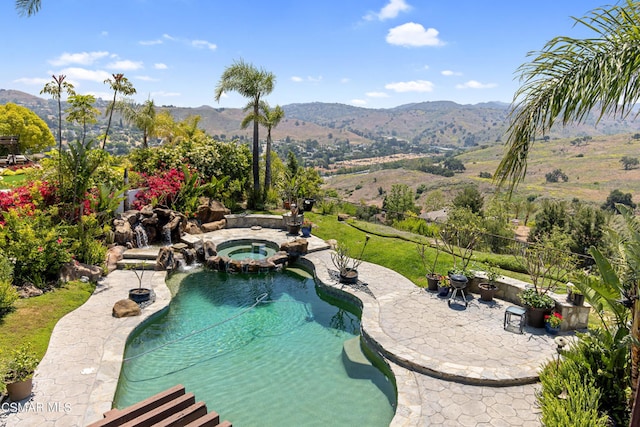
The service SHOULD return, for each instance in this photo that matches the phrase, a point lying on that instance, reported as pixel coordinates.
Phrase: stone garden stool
(513, 310)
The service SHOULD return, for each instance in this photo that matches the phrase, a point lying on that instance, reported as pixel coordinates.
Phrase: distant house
(435, 216)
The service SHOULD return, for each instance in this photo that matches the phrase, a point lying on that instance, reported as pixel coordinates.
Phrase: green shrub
(327, 207)
(569, 398)
(8, 295)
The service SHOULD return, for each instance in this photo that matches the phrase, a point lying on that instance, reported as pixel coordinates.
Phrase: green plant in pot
(488, 289)
(548, 262)
(432, 276)
(18, 372)
(346, 264)
(577, 296)
(444, 286)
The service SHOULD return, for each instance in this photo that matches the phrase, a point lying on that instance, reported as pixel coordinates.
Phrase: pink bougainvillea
(162, 188)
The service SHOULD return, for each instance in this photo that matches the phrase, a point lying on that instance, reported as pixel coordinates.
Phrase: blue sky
(373, 53)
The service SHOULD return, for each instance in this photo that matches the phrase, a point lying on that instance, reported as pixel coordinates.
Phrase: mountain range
(432, 124)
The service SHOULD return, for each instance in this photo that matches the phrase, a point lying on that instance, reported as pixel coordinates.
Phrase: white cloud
(345, 80)
(150, 42)
(203, 44)
(32, 81)
(81, 58)
(473, 84)
(104, 33)
(146, 78)
(125, 65)
(160, 66)
(298, 79)
(426, 67)
(165, 94)
(358, 102)
(377, 94)
(76, 73)
(168, 37)
(450, 73)
(412, 34)
(101, 95)
(411, 86)
(391, 10)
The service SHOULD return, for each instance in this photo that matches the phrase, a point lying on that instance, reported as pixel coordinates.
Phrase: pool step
(138, 264)
(150, 253)
(355, 361)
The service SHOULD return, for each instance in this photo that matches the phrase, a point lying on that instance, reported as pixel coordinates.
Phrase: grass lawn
(34, 318)
(13, 180)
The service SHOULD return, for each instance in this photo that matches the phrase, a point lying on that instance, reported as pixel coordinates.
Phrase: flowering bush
(554, 319)
(163, 189)
(307, 223)
(27, 198)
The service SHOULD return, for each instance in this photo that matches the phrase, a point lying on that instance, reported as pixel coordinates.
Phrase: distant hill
(432, 124)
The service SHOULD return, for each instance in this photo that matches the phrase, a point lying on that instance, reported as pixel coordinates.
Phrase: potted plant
(433, 278)
(293, 219)
(488, 289)
(577, 296)
(552, 322)
(548, 262)
(139, 294)
(18, 372)
(347, 266)
(306, 228)
(444, 286)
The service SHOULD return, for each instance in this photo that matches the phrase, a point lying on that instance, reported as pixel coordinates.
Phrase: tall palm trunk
(267, 166)
(256, 155)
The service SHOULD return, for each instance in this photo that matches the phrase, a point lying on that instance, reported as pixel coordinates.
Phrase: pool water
(261, 350)
(240, 252)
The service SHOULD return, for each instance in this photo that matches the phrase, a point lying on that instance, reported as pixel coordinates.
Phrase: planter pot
(349, 276)
(487, 291)
(20, 390)
(443, 291)
(432, 282)
(139, 295)
(551, 330)
(294, 229)
(535, 316)
(306, 231)
(578, 299)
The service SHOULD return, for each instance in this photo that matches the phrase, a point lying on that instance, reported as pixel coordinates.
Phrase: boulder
(131, 216)
(278, 258)
(209, 249)
(166, 260)
(214, 226)
(29, 290)
(123, 233)
(211, 212)
(192, 228)
(114, 254)
(343, 217)
(75, 270)
(333, 243)
(126, 308)
(296, 247)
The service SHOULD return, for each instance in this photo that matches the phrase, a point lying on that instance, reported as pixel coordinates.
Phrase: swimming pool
(263, 349)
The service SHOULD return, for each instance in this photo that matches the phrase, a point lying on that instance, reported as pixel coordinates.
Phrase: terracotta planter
(535, 316)
(20, 390)
(432, 282)
(349, 276)
(139, 295)
(487, 291)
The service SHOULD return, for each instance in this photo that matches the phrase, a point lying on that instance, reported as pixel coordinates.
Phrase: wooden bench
(170, 408)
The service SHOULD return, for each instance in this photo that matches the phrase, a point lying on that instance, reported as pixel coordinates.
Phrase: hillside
(426, 124)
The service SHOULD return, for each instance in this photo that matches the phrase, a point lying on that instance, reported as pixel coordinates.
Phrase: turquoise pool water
(277, 362)
(244, 251)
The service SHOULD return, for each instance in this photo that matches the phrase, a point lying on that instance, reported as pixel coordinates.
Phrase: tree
(616, 196)
(470, 198)
(34, 133)
(119, 84)
(571, 77)
(629, 162)
(398, 201)
(454, 165)
(251, 83)
(550, 218)
(556, 176)
(55, 89)
(28, 7)
(141, 116)
(82, 111)
(269, 118)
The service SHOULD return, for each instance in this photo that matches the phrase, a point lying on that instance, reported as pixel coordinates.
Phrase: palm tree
(28, 7)
(251, 83)
(141, 116)
(566, 81)
(269, 118)
(55, 89)
(570, 77)
(121, 84)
